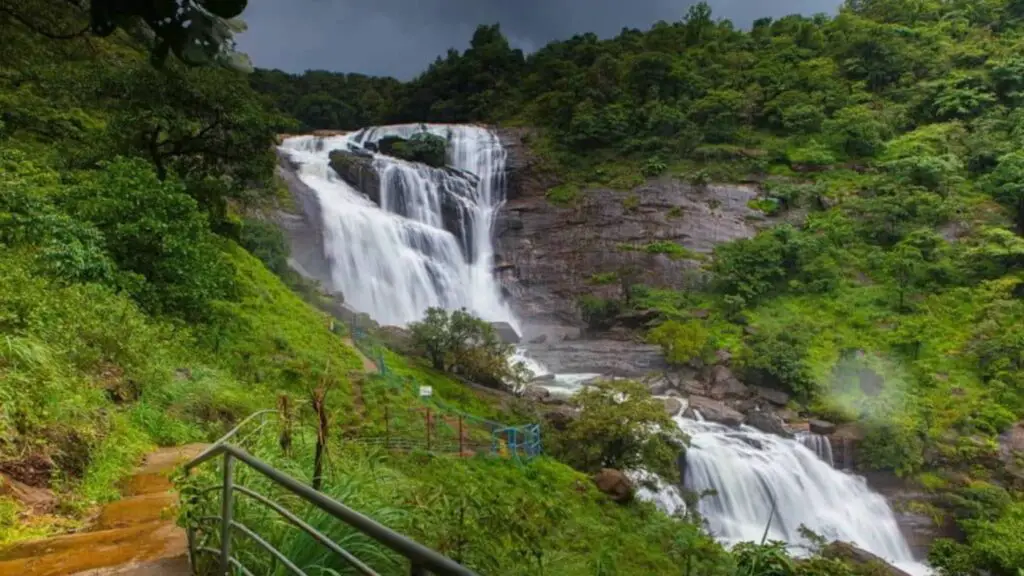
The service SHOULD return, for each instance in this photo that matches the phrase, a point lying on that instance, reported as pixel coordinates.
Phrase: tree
(621, 426)
(202, 125)
(199, 32)
(463, 344)
(153, 229)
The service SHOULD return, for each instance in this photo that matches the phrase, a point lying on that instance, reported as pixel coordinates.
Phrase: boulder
(539, 339)
(1013, 440)
(822, 427)
(615, 484)
(713, 411)
(776, 397)
(694, 388)
(536, 393)
(39, 500)
(768, 422)
(560, 417)
(660, 386)
(849, 553)
(673, 406)
(358, 171)
(725, 385)
(723, 356)
(506, 332)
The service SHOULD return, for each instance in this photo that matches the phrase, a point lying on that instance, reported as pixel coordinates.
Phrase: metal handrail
(422, 559)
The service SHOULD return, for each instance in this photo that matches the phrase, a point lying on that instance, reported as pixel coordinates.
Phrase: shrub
(598, 313)
(682, 341)
(266, 242)
(780, 360)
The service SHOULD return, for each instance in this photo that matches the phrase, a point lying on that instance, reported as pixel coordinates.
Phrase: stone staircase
(134, 536)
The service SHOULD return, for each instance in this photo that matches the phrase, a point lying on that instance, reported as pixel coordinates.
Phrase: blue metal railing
(520, 442)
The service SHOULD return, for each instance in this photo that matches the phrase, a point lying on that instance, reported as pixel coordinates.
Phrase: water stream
(395, 259)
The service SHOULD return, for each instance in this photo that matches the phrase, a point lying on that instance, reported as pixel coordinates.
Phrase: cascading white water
(395, 260)
(750, 470)
(818, 444)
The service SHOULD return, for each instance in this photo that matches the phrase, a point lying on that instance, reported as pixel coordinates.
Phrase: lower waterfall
(749, 470)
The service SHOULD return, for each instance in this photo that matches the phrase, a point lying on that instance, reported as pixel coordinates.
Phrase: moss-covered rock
(422, 147)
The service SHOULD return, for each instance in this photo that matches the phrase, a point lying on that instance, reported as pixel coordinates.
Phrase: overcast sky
(401, 37)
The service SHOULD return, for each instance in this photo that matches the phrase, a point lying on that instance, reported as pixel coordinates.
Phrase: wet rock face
(556, 250)
(358, 171)
(607, 357)
(303, 226)
(714, 411)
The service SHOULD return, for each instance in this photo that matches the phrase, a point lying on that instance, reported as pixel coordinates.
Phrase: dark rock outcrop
(723, 384)
(822, 427)
(771, 395)
(854, 555)
(370, 176)
(768, 422)
(506, 332)
(615, 484)
(302, 226)
(358, 171)
(713, 411)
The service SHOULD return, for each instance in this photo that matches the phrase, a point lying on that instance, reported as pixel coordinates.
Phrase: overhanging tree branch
(35, 28)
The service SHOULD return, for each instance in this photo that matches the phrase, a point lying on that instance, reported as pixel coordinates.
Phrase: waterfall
(750, 469)
(820, 445)
(396, 259)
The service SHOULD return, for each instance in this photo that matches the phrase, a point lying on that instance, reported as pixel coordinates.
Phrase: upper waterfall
(428, 243)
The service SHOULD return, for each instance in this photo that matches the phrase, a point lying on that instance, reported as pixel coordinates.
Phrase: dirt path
(134, 536)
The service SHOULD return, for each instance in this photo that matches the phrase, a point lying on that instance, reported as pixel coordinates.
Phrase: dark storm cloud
(401, 37)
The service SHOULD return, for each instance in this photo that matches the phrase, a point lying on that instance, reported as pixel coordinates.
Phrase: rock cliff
(555, 252)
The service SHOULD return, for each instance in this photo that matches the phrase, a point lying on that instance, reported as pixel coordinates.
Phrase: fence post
(387, 427)
(461, 447)
(226, 513)
(428, 428)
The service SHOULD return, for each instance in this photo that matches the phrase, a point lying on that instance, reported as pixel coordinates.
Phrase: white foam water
(750, 470)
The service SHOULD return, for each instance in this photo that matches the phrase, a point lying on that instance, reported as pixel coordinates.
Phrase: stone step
(133, 536)
(83, 551)
(170, 567)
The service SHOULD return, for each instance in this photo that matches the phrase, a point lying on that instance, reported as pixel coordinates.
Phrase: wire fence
(433, 425)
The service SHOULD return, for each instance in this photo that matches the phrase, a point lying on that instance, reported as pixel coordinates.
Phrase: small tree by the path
(460, 343)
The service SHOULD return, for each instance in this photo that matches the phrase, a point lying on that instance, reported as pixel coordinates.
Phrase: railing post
(428, 428)
(226, 514)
